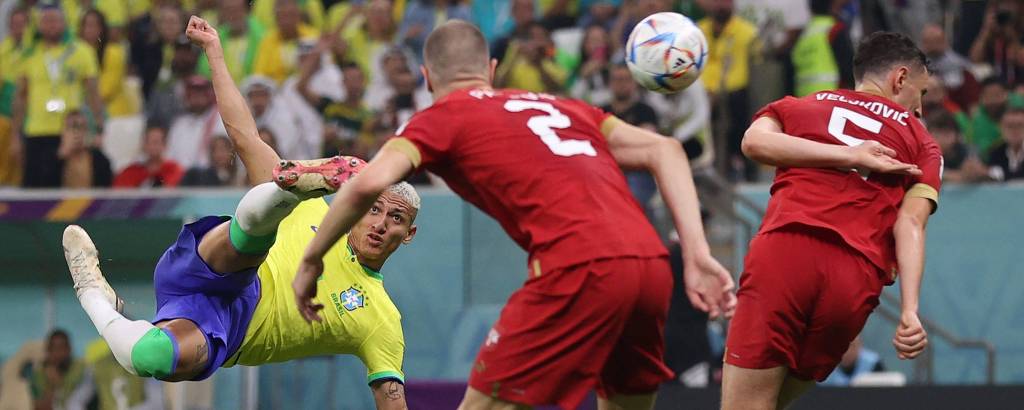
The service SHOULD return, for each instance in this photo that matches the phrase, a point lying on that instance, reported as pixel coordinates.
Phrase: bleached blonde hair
(407, 193)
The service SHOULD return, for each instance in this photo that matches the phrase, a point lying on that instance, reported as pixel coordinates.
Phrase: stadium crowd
(101, 93)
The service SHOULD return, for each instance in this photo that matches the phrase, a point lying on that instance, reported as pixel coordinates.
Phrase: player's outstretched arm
(708, 285)
(765, 142)
(909, 230)
(350, 203)
(258, 157)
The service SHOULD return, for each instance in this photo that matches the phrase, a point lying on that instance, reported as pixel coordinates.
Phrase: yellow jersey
(729, 54)
(56, 76)
(358, 316)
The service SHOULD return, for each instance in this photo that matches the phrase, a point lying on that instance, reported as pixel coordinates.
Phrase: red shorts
(596, 325)
(803, 297)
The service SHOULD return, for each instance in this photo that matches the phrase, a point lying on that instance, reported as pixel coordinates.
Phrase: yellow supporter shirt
(734, 46)
(313, 10)
(279, 59)
(358, 316)
(117, 96)
(56, 76)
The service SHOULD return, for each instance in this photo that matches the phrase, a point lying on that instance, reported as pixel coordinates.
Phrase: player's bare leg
(243, 242)
(792, 388)
(627, 402)
(475, 400)
(751, 389)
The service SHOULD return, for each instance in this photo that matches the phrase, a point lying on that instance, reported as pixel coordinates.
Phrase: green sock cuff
(154, 355)
(249, 244)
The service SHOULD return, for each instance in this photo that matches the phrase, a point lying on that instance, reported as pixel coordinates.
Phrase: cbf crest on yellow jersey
(358, 319)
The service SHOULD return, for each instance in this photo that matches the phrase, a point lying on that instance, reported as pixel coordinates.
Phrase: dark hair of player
(456, 50)
(883, 50)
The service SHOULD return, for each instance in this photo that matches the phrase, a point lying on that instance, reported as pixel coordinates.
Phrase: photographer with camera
(998, 43)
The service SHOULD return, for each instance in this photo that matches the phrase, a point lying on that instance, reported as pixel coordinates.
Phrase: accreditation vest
(813, 61)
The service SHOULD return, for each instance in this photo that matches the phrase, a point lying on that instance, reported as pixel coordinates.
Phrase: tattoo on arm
(201, 352)
(393, 390)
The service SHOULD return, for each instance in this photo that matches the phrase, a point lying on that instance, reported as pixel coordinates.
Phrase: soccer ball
(666, 52)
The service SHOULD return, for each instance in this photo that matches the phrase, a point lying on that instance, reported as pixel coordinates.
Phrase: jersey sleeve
(929, 183)
(604, 120)
(777, 109)
(382, 353)
(425, 139)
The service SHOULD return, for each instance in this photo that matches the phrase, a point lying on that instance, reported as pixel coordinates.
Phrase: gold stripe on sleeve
(609, 124)
(925, 191)
(406, 147)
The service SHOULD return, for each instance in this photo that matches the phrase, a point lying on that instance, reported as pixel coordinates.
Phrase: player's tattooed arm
(389, 394)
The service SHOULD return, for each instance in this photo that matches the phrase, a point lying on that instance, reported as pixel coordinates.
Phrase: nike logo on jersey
(313, 227)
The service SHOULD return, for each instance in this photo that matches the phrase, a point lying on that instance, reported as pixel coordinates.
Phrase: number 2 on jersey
(544, 126)
(837, 126)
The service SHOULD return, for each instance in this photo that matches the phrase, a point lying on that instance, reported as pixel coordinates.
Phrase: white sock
(263, 208)
(120, 333)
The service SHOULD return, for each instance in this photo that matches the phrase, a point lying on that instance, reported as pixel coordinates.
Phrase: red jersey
(862, 210)
(541, 166)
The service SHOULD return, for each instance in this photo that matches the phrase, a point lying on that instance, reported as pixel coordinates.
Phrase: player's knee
(154, 355)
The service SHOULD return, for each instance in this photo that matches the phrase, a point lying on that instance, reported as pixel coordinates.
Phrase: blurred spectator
(823, 55)
(222, 170)
(61, 381)
(164, 102)
(530, 64)
(190, 134)
(241, 34)
(347, 122)
(960, 162)
(266, 13)
(154, 170)
(116, 389)
(686, 116)
(732, 43)
(627, 105)
(278, 54)
(631, 12)
(953, 69)
(365, 43)
(310, 127)
(598, 12)
(84, 165)
(274, 115)
(422, 15)
(589, 80)
(55, 78)
(123, 131)
(1006, 160)
(153, 39)
(998, 43)
(523, 15)
(395, 63)
(856, 361)
(985, 118)
(779, 24)
(937, 101)
(12, 50)
(907, 17)
(399, 108)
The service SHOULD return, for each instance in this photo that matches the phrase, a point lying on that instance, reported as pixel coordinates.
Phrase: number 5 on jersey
(837, 126)
(544, 126)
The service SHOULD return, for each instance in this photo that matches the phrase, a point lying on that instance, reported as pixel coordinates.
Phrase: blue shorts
(221, 305)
